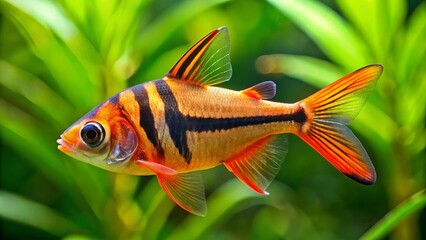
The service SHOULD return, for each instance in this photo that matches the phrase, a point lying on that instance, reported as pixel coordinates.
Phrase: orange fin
(342, 100)
(332, 107)
(185, 189)
(157, 168)
(259, 163)
(263, 90)
(207, 62)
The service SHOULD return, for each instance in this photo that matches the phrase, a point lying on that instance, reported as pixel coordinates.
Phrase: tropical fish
(180, 124)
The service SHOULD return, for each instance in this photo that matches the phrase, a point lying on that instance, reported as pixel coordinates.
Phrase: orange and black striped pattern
(191, 136)
(181, 124)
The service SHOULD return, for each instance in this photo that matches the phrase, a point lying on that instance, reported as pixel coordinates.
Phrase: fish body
(203, 133)
(178, 125)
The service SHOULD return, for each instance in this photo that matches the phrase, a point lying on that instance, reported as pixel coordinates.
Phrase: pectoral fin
(185, 189)
(157, 168)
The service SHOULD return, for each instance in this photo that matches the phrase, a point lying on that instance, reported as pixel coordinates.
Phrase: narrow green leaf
(158, 213)
(25, 211)
(120, 29)
(57, 55)
(22, 132)
(398, 214)
(396, 11)
(412, 52)
(79, 237)
(48, 14)
(157, 207)
(28, 86)
(314, 71)
(330, 32)
(171, 20)
(223, 204)
(94, 186)
(377, 23)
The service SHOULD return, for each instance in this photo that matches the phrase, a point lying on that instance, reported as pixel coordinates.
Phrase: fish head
(104, 138)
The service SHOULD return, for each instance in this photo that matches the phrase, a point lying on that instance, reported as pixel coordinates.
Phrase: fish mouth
(64, 145)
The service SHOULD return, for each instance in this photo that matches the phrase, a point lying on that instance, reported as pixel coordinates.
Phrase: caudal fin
(329, 110)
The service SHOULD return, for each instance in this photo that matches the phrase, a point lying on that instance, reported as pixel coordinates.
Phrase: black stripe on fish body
(299, 116)
(146, 120)
(174, 119)
(179, 124)
(200, 124)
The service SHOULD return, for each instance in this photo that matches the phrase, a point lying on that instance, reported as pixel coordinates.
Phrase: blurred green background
(58, 59)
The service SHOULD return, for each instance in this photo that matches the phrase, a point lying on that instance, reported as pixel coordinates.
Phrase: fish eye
(92, 134)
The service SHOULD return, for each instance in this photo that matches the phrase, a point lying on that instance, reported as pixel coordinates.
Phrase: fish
(181, 124)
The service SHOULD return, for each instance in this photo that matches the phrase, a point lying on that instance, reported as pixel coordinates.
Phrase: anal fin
(259, 163)
(185, 189)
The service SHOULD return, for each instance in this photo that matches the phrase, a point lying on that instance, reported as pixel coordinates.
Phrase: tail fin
(329, 110)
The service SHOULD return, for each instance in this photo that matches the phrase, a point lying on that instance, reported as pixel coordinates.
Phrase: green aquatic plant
(58, 59)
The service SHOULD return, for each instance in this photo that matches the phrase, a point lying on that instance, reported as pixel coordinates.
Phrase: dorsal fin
(263, 90)
(207, 62)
